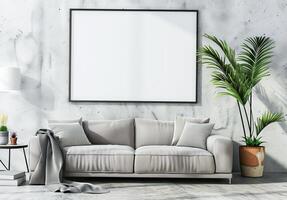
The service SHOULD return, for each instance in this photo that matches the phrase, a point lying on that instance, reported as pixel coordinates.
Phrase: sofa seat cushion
(99, 158)
(173, 159)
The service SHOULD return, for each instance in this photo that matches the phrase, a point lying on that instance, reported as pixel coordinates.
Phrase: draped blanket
(49, 167)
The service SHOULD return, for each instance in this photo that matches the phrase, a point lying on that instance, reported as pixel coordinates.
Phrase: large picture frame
(133, 55)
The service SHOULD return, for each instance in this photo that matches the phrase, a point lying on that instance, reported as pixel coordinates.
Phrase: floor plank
(272, 186)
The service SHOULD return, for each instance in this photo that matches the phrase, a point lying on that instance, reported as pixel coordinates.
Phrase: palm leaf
(228, 74)
(228, 52)
(253, 141)
(266, 119)
(255, 57)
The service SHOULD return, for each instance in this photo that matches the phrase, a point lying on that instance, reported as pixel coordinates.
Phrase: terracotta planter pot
(252, 161)
(13, 141)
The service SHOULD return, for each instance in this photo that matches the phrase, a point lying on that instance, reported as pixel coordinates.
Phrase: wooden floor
(272, 186)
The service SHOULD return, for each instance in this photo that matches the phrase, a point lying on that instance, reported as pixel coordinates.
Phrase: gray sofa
(141, 148)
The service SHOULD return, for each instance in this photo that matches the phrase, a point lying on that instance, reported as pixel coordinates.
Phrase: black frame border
(123, 101)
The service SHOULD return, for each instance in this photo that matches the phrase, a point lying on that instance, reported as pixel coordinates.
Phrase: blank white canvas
(133, 56)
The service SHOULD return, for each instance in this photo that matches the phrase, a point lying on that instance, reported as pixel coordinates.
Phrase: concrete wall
(34, 36)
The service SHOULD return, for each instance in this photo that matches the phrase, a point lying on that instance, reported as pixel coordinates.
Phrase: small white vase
(4, 137)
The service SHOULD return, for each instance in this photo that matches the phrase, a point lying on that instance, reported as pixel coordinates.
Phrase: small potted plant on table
(236, 76)
(3, 129)
(13, 138)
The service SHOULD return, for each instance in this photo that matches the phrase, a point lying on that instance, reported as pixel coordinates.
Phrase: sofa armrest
(34, 152)
(222, 149)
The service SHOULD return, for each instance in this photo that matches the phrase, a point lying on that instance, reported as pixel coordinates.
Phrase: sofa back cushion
(120, 132)
(153, 132)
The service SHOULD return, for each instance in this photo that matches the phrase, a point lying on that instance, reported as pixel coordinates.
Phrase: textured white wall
(34, 36)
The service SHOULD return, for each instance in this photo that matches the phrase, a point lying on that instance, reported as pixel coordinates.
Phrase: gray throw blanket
(49, 168)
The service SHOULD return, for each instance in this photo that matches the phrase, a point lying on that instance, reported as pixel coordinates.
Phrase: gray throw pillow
(70, 134)
(153, 132)
(195, 135)
(119, 132)
(179, 125)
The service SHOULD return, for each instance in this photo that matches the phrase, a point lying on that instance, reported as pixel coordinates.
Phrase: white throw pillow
(195, 135)
(70, 134)
(179, 125)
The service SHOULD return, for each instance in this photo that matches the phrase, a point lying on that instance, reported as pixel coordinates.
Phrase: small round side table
(17, 146)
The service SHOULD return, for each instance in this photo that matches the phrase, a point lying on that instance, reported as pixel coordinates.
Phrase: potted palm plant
(236, 75)
(3, 129)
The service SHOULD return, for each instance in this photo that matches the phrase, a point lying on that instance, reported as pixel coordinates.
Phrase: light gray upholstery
(173, 159)
(70, 134)
(34, 152)
(155, 157)
(219, 146)
(222, 149)
(153, 132)
(110, 131)
(195, 135)
(99, 158)
(180, 123)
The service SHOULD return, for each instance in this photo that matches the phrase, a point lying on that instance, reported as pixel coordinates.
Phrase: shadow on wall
(271, 104)
(37, 94)
(269, 163)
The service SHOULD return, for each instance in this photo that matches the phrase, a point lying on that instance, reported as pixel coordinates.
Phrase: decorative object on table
(12, 178)
(3, 129)
(13, 138)
(9, 147)
(236, 76)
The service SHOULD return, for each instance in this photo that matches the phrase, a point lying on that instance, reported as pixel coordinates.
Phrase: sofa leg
(230, 180)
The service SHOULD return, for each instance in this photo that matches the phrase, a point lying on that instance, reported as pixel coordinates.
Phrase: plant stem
(247, 119)
(251, 113)
(242, 122)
